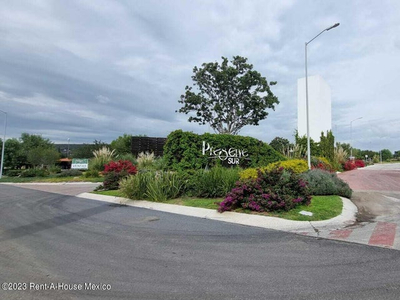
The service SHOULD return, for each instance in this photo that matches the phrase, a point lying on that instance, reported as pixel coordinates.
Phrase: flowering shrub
(277, 189)
(359, 163)
(295, 165)
(114, 171)
(321, 163)
(353, 164)
(120, 166)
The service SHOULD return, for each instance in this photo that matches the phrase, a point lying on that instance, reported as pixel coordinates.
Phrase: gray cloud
(89, 70)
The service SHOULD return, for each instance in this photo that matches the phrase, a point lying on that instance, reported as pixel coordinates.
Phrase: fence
(147, 144)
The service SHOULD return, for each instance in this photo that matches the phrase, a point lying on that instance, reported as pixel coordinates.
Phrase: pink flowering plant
(277, 189)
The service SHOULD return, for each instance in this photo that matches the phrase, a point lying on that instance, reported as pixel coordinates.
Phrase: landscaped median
(280, 221)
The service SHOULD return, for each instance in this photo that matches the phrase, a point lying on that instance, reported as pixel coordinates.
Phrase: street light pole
(307, 109)
(4, 144)
(351, 136)
(68, 149)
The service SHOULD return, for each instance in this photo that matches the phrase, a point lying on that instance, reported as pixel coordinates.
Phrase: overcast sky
(96, 69)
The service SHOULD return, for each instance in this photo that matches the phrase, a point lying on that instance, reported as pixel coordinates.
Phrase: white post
(4, 144)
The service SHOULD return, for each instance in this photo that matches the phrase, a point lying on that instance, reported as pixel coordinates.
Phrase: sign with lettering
(80, 163)
(231, 155)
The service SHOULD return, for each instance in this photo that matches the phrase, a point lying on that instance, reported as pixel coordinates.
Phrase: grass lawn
(322, 207)
(115, 193)
(50, 179)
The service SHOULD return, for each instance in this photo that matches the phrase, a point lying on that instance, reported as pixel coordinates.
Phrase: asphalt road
(60, 240)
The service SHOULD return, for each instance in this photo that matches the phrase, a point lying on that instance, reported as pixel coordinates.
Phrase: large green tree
(327, 146)
(280, 144)
(228, 96)
(122, 144)
(386, 154)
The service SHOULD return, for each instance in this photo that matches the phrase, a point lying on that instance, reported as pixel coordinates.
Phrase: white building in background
(319, 103)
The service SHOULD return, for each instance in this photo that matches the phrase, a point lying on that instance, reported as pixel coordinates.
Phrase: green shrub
(34, 173)
(128, 156)
(13, 173)
(277, 189)
(54, 169)
(213, 183)
(69, 173)
(183, 150)
(323, 182)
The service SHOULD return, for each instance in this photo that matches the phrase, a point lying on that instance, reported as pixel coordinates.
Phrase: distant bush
(353, 164)
(322, 182)
(91, 174)
(69, 173)
(34, 173)
(277, 189)
(128, 156)
(359, 163)
(13, 173)
(54, 169)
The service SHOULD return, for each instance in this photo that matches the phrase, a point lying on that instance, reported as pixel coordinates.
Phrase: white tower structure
(319, 102)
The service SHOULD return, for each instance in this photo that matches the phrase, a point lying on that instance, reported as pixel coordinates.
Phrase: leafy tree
(279, 144)
(345, 146)
(43, 157)
(122, 145)
(327, 146)
(396, 154)
(370, 153)
(86, 150)
(13, 155)
(228, 97)
(30, 141)
(386, 154)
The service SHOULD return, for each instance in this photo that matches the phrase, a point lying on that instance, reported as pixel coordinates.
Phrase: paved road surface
(377, 196)
(53, 238)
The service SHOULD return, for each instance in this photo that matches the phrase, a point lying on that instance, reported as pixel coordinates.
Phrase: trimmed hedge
(183, 150)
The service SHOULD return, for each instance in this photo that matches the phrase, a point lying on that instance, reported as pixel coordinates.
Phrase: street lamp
(307, 113)
(351, 136)
(4, 144)
(68, 148)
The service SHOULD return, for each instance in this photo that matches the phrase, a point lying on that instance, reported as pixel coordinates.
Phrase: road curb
(347, 217)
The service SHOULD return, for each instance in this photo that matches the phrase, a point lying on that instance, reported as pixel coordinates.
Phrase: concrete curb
(347, 217)
(52, 183)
